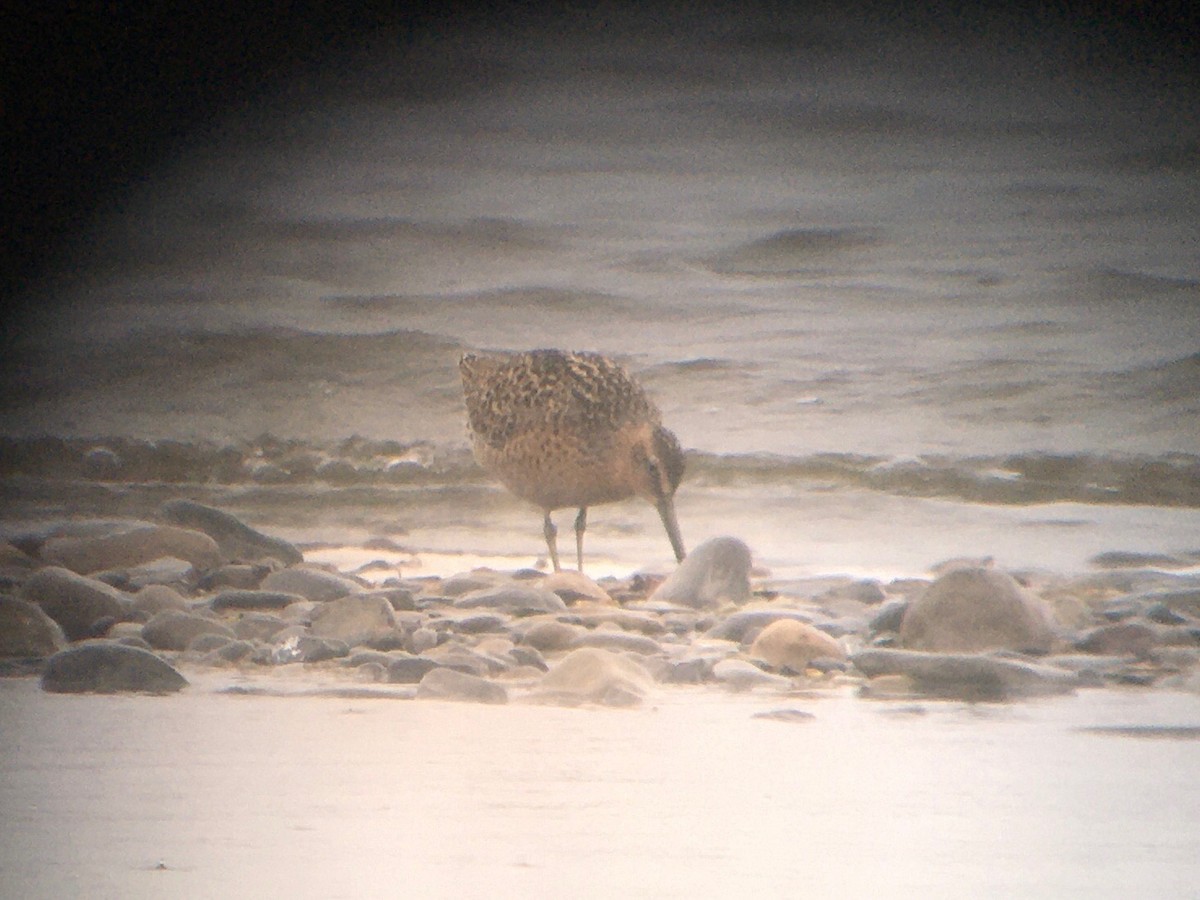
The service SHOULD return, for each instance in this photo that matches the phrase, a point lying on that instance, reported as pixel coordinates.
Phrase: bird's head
(657, 470)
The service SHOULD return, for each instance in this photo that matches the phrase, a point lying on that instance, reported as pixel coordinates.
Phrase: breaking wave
(1170, 480)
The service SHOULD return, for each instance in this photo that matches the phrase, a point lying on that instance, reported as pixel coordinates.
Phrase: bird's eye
(655, 474)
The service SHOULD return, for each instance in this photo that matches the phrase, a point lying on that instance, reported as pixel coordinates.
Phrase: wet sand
(287, 794)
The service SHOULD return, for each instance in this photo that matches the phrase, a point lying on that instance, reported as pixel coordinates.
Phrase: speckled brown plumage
(570, 430)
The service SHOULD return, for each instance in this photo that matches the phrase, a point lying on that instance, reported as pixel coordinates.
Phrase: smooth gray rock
(174, 629)
(77, 603)
(26, 630)
(255, 626)
(619, 641)
(976, 609)
(257, 600)
(448, 684)
(714, 574)
(133, 547)
(550, 635)
(409, 669)
(966, 676)
(154, 598)
(354, 620)
(514, 599)
(310, 583)
(104, 667)
(1124, 638)
(237, 541)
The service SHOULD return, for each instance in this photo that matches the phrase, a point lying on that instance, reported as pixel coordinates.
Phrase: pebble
(563, 638)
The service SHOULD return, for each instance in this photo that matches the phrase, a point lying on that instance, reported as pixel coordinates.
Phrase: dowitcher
(570, 430)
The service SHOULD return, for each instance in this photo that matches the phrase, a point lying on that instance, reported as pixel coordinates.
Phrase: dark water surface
(927, 289)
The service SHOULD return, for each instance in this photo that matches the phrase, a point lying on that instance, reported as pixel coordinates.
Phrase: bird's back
(550, 423)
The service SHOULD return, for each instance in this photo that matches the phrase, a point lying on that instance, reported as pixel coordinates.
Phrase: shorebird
(570, 430)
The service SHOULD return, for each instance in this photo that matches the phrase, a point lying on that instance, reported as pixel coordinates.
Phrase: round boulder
(354, 620)
(173, 629)
(787, 644)
(26, 630)
(103, 667)
(714, 574)
(975, 609)
(154, 598)
(74, 601)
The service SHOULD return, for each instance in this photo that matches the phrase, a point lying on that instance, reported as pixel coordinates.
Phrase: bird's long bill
(666, 511)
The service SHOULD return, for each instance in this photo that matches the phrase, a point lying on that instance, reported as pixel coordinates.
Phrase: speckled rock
(104, 667)
(77, 603)
(26, 630)
(714, 574)
(975, 609)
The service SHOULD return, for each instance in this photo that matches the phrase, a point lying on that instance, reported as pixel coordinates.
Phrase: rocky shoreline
(104, 607)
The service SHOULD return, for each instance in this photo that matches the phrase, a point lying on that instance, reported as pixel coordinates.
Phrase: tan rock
(791, 644)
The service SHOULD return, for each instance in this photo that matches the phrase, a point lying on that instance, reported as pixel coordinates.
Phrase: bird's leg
(580, 525)
(551, 533)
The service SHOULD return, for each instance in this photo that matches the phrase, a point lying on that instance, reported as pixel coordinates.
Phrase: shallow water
(206, 794)
(923, 251)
